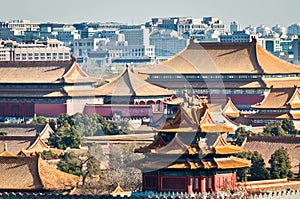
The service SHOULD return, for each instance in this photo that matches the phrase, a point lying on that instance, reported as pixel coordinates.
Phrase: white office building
(48, 50)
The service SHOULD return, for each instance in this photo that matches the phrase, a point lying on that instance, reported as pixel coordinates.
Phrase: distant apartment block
(236, 36)
(5, 53)
(87, 30)
(270, 44)
(19, 27)
(167, 43)
(48, 50)
(63, 32)
(186, 24)
(105, 50)
(296, 50)
(234, 27)
(294, 29)
(139, 36)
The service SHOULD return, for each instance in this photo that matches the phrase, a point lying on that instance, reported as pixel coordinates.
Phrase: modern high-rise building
(137, 36)
(234, 26)
(167, 43)
(296, 50)
(237, 36)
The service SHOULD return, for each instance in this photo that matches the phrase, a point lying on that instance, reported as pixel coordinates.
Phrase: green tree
(90, 125)
(288, 126)
(280, 164)
(52, 124)
(2, 133)
(274, 129)
(80, 163)
(258, 170)
(65, 119)
(70, 163)
(39, 120)
(65, 136)
(241, 174)
(240, 135)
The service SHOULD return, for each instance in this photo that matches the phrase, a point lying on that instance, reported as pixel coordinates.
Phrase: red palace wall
(237, 99)
(16, 109)
(50, 110)
(189, 184)
(246, 99)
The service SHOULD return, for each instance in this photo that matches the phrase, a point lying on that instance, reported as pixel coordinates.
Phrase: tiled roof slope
(42, 72)
(267, 145)
(31, 174)
(282, 98)
(223, 58)
(128, 84)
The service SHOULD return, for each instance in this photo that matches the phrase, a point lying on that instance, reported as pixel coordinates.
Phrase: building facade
(190, 154)
(45, 88)
(39, 50)
(243, 71)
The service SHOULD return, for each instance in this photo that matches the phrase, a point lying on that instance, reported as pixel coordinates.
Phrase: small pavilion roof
(223, 58)
(230, 109)
(191, 118)
(210, 163)
(128, 84)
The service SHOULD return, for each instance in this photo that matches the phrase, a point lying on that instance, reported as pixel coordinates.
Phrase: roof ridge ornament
(254, 40)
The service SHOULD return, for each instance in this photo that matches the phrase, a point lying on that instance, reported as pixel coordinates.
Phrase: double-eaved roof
(223, 58)
(128, 84)
(45, 79)
(42, 72)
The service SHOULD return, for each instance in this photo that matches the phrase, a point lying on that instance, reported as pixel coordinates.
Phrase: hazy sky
(255, 12)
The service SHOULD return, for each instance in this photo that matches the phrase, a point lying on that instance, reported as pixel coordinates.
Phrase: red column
(189, 184)
(159, 184)
(215, 183)
(22, 109)
(233, 180)
(6, 108)
(202, 184)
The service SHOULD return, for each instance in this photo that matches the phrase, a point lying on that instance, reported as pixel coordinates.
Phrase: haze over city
(254, 12)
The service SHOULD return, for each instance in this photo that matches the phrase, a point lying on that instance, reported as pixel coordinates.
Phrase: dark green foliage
(52, 124)
(64, 119)
(288, 126)
(280, 164)
(241, 174)
(279, 129)
(82, 163)
(3, 133)
(274, 129)
(90, 125)
(70, 163)
(65, 136)
(39, 120)
(258, 170)
(49, 155)
(240, 135)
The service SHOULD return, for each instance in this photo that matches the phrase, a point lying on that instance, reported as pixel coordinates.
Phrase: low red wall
(50, 110)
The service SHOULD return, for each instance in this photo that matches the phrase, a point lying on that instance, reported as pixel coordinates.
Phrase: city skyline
(266, 12)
